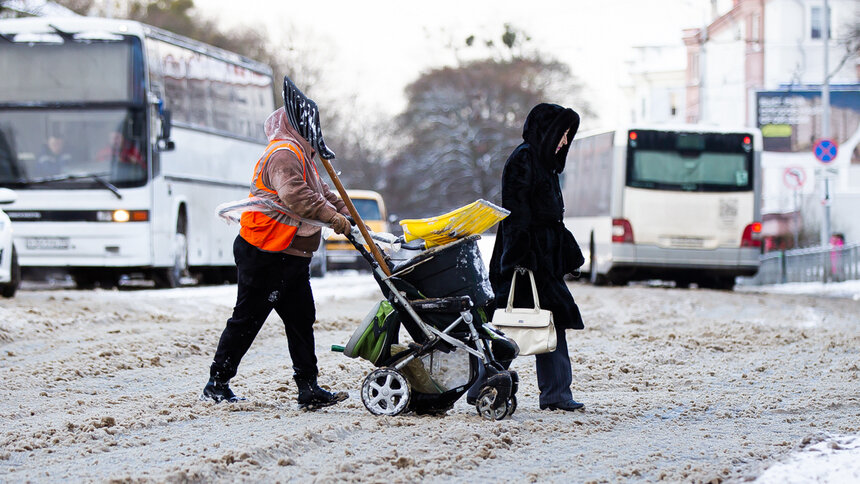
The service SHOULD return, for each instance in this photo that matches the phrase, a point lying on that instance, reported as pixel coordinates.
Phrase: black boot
(568, 406)
(312, 397)
(220, 392)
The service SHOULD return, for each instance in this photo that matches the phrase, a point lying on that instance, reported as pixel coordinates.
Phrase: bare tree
(462, 122)
(81, 7)
(850, 43)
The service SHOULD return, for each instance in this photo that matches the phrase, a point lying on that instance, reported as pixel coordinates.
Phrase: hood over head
(277, 126)
(304, 116)
(544, 128)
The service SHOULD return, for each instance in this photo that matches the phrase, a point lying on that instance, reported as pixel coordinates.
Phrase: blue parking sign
(825, 150)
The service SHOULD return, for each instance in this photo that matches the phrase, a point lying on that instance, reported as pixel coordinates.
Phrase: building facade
(655, 89)
(761, 63)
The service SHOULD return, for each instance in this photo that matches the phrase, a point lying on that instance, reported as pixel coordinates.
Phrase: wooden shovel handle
(358, 221)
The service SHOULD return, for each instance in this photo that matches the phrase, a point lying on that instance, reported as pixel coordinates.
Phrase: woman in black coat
(533, 237)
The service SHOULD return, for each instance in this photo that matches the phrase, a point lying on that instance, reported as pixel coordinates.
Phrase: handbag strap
(510, 306)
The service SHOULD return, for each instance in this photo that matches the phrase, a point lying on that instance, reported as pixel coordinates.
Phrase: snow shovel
(472, 219)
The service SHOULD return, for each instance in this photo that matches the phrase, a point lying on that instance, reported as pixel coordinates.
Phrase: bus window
(669, 169)
(71, 71)
(667, 160)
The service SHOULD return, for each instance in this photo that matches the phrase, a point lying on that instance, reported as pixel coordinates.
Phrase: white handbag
(531, 328)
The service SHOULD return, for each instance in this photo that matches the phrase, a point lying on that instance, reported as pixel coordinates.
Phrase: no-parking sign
(794, 177)
(825, 150)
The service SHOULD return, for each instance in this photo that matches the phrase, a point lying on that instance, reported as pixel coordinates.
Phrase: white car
(10, 271)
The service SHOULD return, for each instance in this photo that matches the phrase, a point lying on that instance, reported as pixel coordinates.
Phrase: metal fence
(816, 264)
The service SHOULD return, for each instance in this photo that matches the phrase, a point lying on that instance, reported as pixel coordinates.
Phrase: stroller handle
(362, 250)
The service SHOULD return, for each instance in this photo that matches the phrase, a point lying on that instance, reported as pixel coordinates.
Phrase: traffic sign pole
(825, 127)
(825, 151)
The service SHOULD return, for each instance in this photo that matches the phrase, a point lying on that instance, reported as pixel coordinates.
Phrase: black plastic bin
(454, 269)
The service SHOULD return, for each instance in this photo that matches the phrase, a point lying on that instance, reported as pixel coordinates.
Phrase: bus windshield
(689, 161)
(41, 148)
(51, 69)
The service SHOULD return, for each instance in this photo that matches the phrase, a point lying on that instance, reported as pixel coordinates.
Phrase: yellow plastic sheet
(474, 218)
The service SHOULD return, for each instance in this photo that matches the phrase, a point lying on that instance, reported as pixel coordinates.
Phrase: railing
(816, 264)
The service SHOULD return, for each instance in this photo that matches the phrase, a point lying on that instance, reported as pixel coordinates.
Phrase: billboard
(790, 120)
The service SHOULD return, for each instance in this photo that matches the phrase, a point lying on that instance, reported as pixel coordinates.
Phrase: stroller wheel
(385, 392)
(512, 405)
(485, 402)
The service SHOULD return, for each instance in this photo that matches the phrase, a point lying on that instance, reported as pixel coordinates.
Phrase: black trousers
(268, 281)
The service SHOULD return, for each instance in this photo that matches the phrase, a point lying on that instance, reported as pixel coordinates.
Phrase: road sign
(825, 150)
(794, 177)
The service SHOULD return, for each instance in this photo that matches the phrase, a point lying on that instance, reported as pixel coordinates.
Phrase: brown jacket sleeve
(334, 199)
(303, 195)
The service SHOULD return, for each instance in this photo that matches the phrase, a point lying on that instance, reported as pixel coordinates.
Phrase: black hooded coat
(533, 236)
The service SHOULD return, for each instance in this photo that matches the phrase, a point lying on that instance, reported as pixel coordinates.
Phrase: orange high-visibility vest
(271, 230)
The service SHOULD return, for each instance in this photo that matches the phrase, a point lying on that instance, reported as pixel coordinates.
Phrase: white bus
(120, 140)
(676, 203)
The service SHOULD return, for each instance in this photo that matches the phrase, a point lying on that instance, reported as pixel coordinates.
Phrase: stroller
(440, 296)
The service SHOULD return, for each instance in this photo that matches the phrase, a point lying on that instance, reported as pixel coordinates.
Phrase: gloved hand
(340, 224)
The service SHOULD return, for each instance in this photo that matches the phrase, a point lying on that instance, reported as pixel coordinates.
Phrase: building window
(816, 23)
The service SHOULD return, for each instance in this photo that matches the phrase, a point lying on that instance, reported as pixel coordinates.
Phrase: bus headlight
(122, 215)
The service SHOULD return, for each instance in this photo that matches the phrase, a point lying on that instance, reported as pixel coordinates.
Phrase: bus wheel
(593, 277)
(172, 276)
(8, 290)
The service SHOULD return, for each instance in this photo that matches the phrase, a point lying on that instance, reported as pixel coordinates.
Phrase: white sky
(377, 47)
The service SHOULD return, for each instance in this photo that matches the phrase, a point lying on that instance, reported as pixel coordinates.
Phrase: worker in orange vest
(273, 251)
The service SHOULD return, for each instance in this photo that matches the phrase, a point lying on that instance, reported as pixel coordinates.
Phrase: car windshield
(41, 148)
(367, 209)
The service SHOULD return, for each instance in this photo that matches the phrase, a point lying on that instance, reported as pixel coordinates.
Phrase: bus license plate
(47, 243)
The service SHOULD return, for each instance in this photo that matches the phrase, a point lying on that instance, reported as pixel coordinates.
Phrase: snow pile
(836, 459)
(847, 289)
(12, 325)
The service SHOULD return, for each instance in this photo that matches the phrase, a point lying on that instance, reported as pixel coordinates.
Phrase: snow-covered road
(680, 385)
